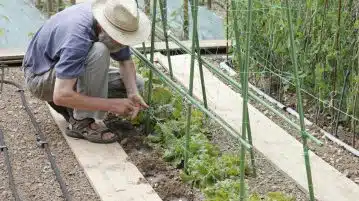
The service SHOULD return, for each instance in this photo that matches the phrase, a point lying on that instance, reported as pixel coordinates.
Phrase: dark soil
(161, 175)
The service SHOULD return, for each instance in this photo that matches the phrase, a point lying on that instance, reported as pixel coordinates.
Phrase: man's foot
(90, 130)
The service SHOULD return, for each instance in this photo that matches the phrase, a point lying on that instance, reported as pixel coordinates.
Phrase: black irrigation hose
(40, 139)
(3, 148)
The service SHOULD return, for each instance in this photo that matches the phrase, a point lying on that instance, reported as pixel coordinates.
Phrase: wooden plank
(106, 166)
(282, 149)
(11, 54)
(18, 54)
(80, 1)
(204, 44)
(11, 62)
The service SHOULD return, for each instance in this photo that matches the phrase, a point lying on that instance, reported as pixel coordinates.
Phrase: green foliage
(326, 47)
(224, 190)
(203, 171)
(229, 189)
(271, 196)
(216, 174)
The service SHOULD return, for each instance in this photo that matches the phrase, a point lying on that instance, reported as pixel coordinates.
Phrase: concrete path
(112, 176)
(272, 141)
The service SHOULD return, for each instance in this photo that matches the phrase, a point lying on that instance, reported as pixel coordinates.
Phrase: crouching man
(67, 64)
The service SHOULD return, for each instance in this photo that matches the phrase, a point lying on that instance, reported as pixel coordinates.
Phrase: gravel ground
(34, 178)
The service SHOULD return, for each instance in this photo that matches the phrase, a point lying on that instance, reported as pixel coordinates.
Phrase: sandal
(82, 129)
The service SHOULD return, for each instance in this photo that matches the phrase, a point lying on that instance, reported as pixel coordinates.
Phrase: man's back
(62, 42)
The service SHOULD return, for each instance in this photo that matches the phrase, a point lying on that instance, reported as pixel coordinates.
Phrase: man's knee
(98, 54)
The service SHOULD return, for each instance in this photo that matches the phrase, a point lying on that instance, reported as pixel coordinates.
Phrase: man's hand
(138, 102)
(124, 107)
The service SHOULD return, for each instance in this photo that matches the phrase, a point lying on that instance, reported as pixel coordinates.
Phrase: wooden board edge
(56, 119)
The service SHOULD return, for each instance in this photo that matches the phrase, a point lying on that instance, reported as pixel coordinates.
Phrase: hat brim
(121, 36)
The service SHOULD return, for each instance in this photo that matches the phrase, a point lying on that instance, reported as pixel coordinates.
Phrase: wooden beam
(208, 46)
(11, 54)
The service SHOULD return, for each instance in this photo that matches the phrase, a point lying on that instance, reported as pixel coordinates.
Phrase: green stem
(354, 115)
(337, 49)
(243, 79)
(194, 4)
(185, 20)
(163, 10)
(245, 94)
(154, 8)
(300, 104)
(200, 65)
(340, 103)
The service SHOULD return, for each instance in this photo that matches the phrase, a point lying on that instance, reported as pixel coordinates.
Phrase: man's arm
(64, 95)
(128, 75)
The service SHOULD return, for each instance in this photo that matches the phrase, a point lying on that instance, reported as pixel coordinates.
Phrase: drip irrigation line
(40, 140)
(4, 149)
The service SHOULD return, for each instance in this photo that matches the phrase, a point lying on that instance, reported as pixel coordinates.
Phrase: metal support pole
(154, 8)
(300, 104)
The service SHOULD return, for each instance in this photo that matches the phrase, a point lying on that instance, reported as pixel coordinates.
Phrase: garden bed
(213, 159)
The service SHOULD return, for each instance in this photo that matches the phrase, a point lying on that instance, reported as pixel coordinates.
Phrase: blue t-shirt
(64, 41)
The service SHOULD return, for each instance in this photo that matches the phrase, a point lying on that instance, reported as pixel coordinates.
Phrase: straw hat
(122, 20)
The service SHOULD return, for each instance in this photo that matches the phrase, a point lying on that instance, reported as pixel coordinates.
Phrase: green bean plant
(326, 36)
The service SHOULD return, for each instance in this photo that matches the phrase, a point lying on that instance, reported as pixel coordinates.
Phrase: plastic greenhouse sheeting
(207, 19)
(19, 19)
